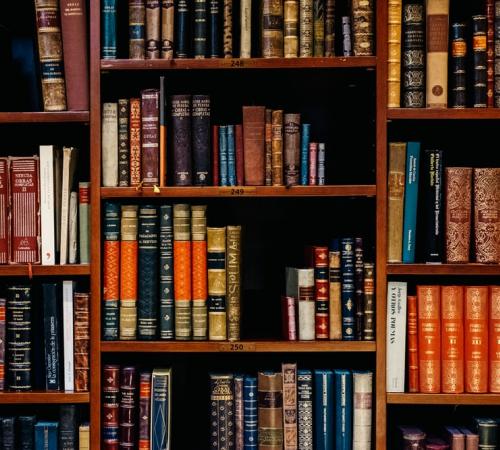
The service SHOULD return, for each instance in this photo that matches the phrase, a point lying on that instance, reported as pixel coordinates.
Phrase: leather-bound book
(163, 133)
(413, 60)
(313, 163)
(250, 412)
(147, 286)
(487, 430)
(182, 29)
(153, 23)
(458, 186)
(167, 29)
(288, 318)
(346, 36)
(223, 165)
(490, 52)
(359, 287)
(161, 409)
(321, 288)
(200, 123)
(319, 28)
(52, 336)
(50, 53)
(150, 137)
(291, 125)
(111, 270)
(452, 339)
(253, 145)
(166, 272)
(76, 65)
(347, 291)
(135, 141)
(233, 267)
(289, 373)
(412, 437)
(136, 29)
(369, 302)
(128, 406)
(304, 154)
(321, 163)
(270, 385)
(394, 53)
(471, 439)
(215, 28)
(330, 28)
(291, 28)
(455, 438)
(306, 28)
(2, 342)
(26, 429)
(182, 271)
(240, 162)
(272, 29)
(429, 339)
(227, 37)
(181, 131)
(344, 408)
(215, 155)
(217, 283)
(199, 271)
(458, 66)
(4, 211)
(8, 430)
(68, 416)
(144, 438)
(110, 406)
(83, 221)
(395, 204)
(277, 147)
(362, 409)
(108, 39)
(231, 156)
(305, 409)
(323, 409)
(123, 143)
(435, 443)
(334, 282)
(268, 148)
(487, 215)
(81, 310)
(437, 53)
(200, 29)
(476, 339)
(494, 339)
(300, 284)
(412, 343)
(362, 33)
(109, 144)
(479, 55)
(239, 413)
(246, 29)
(497, 54)
(221, 411)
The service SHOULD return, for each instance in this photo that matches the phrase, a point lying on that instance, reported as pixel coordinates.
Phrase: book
(166, 263)
(4, 211)
(344, 408)
(108, 39)
(412, 436)
(67, 427)
(334, 283)
(493, 339)
(123, 142)
(223, 150)
(109, 144)
(277, 147)
(52, 336)
(412, 343)
(181, 10)
(288, 318)
(455, 437)
(486, 429)
(231, 156)
(480, 61)
(321, 291)
(359, 284)
(238, 412)
(217, 283)
(233, 289)
(305, 409)
(496, 38)
(153, 22)
(394, 53)
(26, 428)
(323, 409)
(250, 412)
(227, 36)
(167, 28)
(73, 228)
(128, 406)
(47, 205)
(110, 405)
(181, 139)
(304, 154)
(369, 302)
(306, 28)
(362, 409)
(3, 329)
(199, 271)
(68, 175)
(395, 202)
(150, 157)
(163, 132)
(268, 147)
(321, 164)
(68, 290)
(410, 201)
(45, 434)
(270, 410)
(144, 436)
(458, 66)
(84, 221)
(291, 28)
(272, 29)
(346, 36)
(136, 29)
(200, 123)
(246, 29)
(81, 310)
(221, 410)
(490, 51)
(135, 141)
(215, 155)
(300, 286)
(362, 33)
(161, 409)
(200, 29)
(215, 22)
(84, 436)
(253, 145)
(347, 290)
(289, 373)
(291, 160)
(319, 27)
(240, 163)
(313, 161)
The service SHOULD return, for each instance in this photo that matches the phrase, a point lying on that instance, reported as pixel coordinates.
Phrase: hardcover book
(123, 142)
(127, 419)
(321, 288)
(272, 29)
(480, 61)
(343, 413)
(291, 28)
(161, 409)
(458, 63)
(135, 141)
(3, 329)
(233, 289)
(201, 138)
(270, 412)
(289, 372)
(253, 144)
(250, 412)
(4, 211)
(323, 405)
(110, 405)
(199, 271)
(411, 201)
(153, 21)
(166, 272)
(268, 147)
(200, 28)
(82, 341)
(136, 29)
(412, 344)
(52, 336)
(362, 409)
(347, 291)
(395, 203)
(217, 283)
(306, 28)
(144, 438)
(181, 129)
(167, 28)
(238, 412)
(109, 144)
(334, 282)
(291, 126)
(369, 302)
(305, 409)
(150, 137)
(494, 339)
(394, 53)
(221, 411)
(362, 18)
(68, 289)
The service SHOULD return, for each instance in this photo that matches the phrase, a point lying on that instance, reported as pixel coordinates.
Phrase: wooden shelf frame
(443, 114)
(444, 269)
(442, 399)
(45, 117)
(39, 397)
(23, 270)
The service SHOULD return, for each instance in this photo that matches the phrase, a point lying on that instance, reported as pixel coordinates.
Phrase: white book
(73, 227)
(396, 336)
(57, 154)
(110, 144)
(68, 173)
(47, 205)
(362, 411)
(69, 366)
(302, 281)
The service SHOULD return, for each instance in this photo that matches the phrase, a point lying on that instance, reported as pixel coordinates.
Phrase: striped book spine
(250, 412)
(166, 272)
(199, 271)
(321, 288)
(233, 282)
(305, 409)
(144, 442)
(135, 141)
(347, 271)
(216, 251)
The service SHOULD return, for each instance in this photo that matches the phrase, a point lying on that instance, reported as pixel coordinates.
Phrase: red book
(476, 339)
(429, 339)
(25, 225)
(494, 339)
(135, 141)
(313, 166)
(150, 168)
(288, 319)
(215, 155)
(110, 406)
(240, 162)
(321, 289)
(412, 344)
(4, 211)
(452, 339)
(144, 411)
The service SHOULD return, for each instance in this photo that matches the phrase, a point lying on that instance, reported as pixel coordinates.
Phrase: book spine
(150, 136)
(8, 429)
(458, 186)
(412, 347)
(4, 211)
(240, 163)
(50, 53)
(147, 286)
(429, 338)
(362, 410)
(270, 412)
(272, 29)
(222, 410)
(458, 62)
(305, 409)
(394, 53)
(291, 125)
(343, 416)
(369, 302)
(346, 36)
(231, 156)
(395, 203)
(307, 305)
(111, 271)
(110, 144)
(323, 409)
(335, 303)
(144, 441)
(487, 432)
(45, 434)
(479, 55)
(277, 148)
(68, 168)
(321, 288)
(288, 318)
(215, 155)
(227, 37)
(452, 339)
(201, 139)
(215, 19)
(494, 339)
(304, 154)
(181, 129)
(3, 313)
(476, 339)
(68, 334)
(127, 411)
(268, 147)
(250, 412)
(359, 287)
(233, 282)
(182, 29)
(47, 204)
(84, 436)
(321, 163)
(200, 29)
(136, 29)
(161, 415)
(72, 232)
(199, 271)
(123, 143)
(319, 28)
(82, 341)
(153, 22)
(497, 54)
(84, 221)
(51, 337)
(289, 373)
(163, 133)
(291, 28)
(110, 406)
(216, 257)
(347, 291)
(128, 273)
(362, 18)
(167, 29)
(26, 429)
(246, 29)
(330, 28)
(253, 145)
(306, 28)
(166, 272)
(313, 161)
(135, 141)
(238, 413)
(410, 201)
(490, 52)
(108, 18)
(223, 155)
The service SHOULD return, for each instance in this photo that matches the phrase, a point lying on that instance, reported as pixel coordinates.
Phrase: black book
(166, 272)
(8, 433)
(200, 124)
(52, 336)
(68, 439)
(215, 28)
(182, 28)
(458, 63)
(26, 432)
(200, 28)
(480, 72)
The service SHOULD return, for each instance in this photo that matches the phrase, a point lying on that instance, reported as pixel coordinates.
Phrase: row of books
(441, 211)
(208, 29)
(453, 337)
(420, 70)
(33, 433)
(61, 319)
(290, 409)
(169, 276)
(333, 297)
(42, 219)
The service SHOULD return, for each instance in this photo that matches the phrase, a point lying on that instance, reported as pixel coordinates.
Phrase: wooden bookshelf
(443, 114)
(443, 269)
(44, 117)
(38, 270)
(33, 397)
(442, 399)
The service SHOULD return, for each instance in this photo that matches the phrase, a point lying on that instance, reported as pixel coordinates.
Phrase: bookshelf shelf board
(243, 63)
(443, 269)
(38, 270)
(44, 117)
(356, 190)
(443, 399)
(43, 397)
(238, 346)
(445, 114)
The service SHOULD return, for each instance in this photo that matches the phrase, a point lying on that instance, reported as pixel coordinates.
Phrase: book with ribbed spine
(181, 29)
(359, 285)
(323, 409)
(305, 409)
(200, 123)
(227, 36)
(321, 290)
(166, 272)
(394, 19)
(68, 310)
(215, 25)
(306, 28)
(270, 412)
(84, 221)
(268, 148)
(240, 163)
(128, 272)
(486, 429)
(479, 56)
(291, 28)
(128, 406)
(246, 29)
(233, 272)
(52, 336)
(135, 141)
(410, 201)
(199, 271)
(108, 19)
(26, 429)
(272, 29)
(221, 410)
(362, 409)
(144, 438)
(147, 286)
(250, 412)
(347, 291)
(123, 143)
(109, 144)
(111, 270)
(200, 29)
(458, 66)
(490, 52)
(497, 54)
(3, 329)
(395, 200)
(289, 373)
(369, 301)
(304, 154)
(231, 156)
(150, 137)
(110, 405)
(153, 22)
(319, 28)
(223, 166)
(362, 32)
(181, 135)
(334, 283)
(313, 164)
(161, 409)
(253, 144)
(217, 287)
(167, 29)
(412, 344)
(81, 314)
(330, 28)
(291, 159)
(136, 29)
(343, 414)
(494, 340)
(239, 412)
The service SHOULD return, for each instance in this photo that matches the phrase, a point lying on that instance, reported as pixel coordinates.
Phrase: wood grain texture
(23, 270)
(33, 397)
(443, 269)
(44, 117)
(442, 114)
(443, 399)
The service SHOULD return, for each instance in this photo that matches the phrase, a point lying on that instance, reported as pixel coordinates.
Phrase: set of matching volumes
(32, 433)
(169, 276)
(39, 209)
(64, 325)
(333, 297)
(213, 29)
(63, 54)
(421, 72)
(452, 336)
(137, 408)
(292, 409)
(457, 205)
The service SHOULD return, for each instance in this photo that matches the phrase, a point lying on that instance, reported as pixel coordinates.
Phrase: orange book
(182, 289)
(429, 339)
(452, 339)
(199, 270)
(111, 271)
(494, 340)
(412, 344)
(476, 339)
(128, 269)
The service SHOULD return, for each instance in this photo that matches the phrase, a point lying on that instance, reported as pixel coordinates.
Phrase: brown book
(270, 410)
(228, 29)
(167, 29)
(291, 125)
(253, 144)
(412, 344)
(396, 194)
(291, 28)
(494, 339)
(458, 186)
(395, 8)
(487, 215)
(319, 28)
(82, 341)
(268, 147)
(362, 20)
(277, 147)
(272, 29)
(136, 22)
(306, 28)
(76, 64)
(490, 52)
(289, 372)
(135, 141)
(153, 21)
(150, 164)
(330, 28)
(233, 290)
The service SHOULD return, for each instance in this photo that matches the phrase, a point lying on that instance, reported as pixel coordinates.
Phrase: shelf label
(236, 347)
(238, 191)
(237, 63)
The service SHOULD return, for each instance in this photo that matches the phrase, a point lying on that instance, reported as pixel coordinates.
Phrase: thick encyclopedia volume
(362, 18)
(362, 409)
(289, 371)
(199, 271)
(272, 29)
(181, 132)
(233, 266)
(201, 139)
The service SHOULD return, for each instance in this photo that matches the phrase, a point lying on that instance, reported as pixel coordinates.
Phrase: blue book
(52, 335)
(108, 50)
(323, 409)
(161, 389)
(304, 154)
(411, 201)
(347, 291)
(223, 155)
(166, 272)
(250, 413)
(343, 412)
(231, 156)
(46, 435)
(305, 409)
